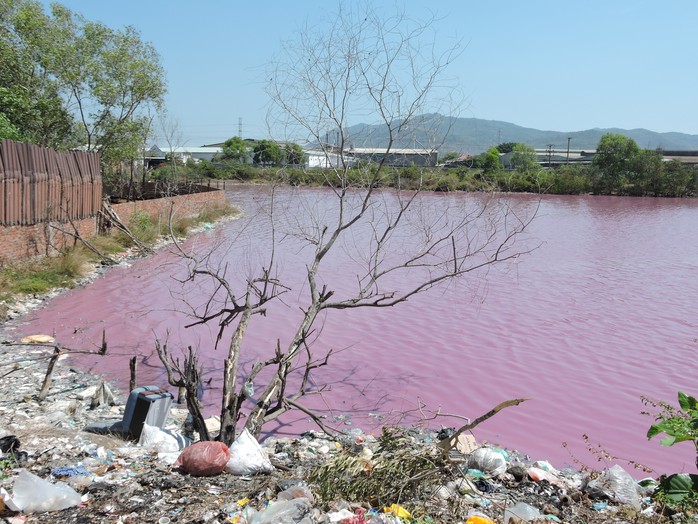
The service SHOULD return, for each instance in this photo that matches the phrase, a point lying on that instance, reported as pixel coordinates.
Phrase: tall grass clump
(41, 275)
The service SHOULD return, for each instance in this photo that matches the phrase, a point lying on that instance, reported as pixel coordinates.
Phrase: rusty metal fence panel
(13, 176)
(39, 184)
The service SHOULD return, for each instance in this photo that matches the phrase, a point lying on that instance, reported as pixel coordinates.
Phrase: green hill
(475, 135)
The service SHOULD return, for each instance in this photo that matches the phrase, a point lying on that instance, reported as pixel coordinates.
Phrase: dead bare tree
(357, 65)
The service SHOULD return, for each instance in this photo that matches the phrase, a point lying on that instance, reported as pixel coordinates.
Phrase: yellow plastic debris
(38, 339)
(478, 519)
(243, 502)
(398, 511)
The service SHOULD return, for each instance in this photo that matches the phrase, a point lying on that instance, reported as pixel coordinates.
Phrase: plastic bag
(479, 519)
(282, 512)
(538, 475)
(488, 460)
(32, 494)
(247, 457)
(521, 512)
(298, 491)
(617, 485)
(162, 440)
(204, 459)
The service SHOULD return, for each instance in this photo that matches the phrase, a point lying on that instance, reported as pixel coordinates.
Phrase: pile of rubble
(51, 470)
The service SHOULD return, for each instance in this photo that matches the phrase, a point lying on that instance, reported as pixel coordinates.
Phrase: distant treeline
(619, 168)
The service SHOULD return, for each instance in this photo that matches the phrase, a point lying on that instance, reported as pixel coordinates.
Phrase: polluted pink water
(601, 313)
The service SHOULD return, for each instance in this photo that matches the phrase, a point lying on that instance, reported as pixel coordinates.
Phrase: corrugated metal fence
(39, 184)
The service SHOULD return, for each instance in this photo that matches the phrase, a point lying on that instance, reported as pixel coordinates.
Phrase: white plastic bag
(247, 457)
(162, 440)
(617, 485)
(32, 494)
(488, 460)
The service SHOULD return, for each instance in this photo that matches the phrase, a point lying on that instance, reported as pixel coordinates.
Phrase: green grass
(42, 275)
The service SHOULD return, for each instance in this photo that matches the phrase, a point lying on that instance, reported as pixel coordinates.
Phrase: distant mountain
(474, 135)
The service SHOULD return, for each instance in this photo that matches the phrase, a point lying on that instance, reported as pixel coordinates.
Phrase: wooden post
(132, 365)
(49, 372)
(181, 395)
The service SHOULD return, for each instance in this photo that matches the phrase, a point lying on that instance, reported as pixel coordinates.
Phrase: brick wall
(159, 209)
(18, 242)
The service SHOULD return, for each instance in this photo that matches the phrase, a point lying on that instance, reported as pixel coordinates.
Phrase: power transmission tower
(240, 127)
(550, 153)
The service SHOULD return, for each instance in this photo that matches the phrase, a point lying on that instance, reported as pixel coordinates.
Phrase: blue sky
(563, 66)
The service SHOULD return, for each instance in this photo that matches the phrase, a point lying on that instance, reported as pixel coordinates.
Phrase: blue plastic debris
(600, 506)
(70, 471)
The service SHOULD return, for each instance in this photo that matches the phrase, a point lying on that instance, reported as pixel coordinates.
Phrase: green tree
(234, 149)
(646, 178)
(8, 130)
(523, 159)
(490, 161)
(68, 80)
(268, 152)
(615, 162)
(679, 179)
(449, 156)
(30, 95)
(295, 156)
(114, 81)
(507, 147)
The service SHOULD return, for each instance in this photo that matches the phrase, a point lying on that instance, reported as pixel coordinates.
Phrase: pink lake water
(604, 311)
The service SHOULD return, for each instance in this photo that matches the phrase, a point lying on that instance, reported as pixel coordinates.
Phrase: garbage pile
(52, 470)
(400, 476)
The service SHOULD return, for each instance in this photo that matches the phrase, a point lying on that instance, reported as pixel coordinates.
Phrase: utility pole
(568, 149)
(550, 153)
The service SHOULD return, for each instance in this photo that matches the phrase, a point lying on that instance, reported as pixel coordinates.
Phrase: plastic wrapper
(32, 494)
(520, 512)
(204, 459)
(282, 512)
(296, 492)
(162, 440)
